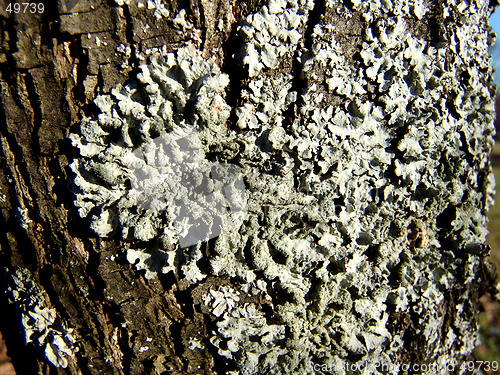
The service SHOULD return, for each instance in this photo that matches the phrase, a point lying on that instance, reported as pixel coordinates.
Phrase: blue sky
(495, 24)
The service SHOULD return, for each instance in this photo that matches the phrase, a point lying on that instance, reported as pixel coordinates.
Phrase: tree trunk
(353, 139)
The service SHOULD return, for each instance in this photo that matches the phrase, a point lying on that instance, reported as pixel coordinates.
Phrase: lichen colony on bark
(361, 131)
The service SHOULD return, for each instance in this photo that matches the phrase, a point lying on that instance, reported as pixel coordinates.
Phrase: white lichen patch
(265, 104)
(250, 339)
(271, 34)
(372, 9)
(221, 300)
(126, 52)
(195, 344)
(42, 326)
(122, 2)
(180, 22)
(152, 261)
(159, 7)
(23, 218)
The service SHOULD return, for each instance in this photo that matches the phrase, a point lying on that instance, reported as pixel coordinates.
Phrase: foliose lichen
(367, 182)
(43, 328)
(144, 174)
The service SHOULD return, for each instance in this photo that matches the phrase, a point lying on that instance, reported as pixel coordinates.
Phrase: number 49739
(25, 8)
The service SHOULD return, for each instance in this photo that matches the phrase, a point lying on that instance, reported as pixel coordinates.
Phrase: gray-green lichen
(366, 191)
(144, 174)
(41, 323)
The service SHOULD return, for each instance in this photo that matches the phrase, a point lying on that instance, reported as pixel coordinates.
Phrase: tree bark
(411, 249)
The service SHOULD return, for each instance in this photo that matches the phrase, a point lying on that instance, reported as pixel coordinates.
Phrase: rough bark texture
(418, 244)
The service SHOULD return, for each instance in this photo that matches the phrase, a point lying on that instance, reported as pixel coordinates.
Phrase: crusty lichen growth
(363, 218)
(43, 328)
(143, 174)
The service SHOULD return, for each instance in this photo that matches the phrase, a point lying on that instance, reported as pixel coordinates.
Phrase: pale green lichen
(43, 328)
(367, 190)
(221, 300)
(342, 158)
(144, 174)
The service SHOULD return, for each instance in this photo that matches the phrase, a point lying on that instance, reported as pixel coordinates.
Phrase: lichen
(221, 300)
(366, 182)
(42, 326)
(143, 172)
(23, 217)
